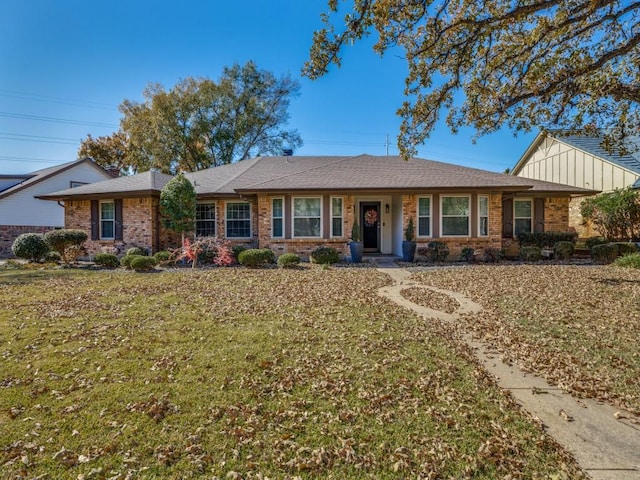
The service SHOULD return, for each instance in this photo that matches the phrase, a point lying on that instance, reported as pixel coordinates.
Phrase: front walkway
(605, 443)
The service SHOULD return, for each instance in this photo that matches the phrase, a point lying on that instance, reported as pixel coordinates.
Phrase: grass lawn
(579, 326)
(235, 373)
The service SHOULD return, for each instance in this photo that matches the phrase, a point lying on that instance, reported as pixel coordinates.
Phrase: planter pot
(356, 249)
(408, 251)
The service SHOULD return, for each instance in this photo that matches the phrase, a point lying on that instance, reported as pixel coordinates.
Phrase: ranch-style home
(297, 203)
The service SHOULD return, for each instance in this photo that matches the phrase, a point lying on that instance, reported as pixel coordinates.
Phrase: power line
(30, 159)
(56, 120)
(48, 99)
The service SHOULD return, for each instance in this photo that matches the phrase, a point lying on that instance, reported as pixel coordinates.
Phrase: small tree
(178, 205)
(616, 215)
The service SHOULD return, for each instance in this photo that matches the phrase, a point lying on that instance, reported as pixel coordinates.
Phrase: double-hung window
(205, 219)
(277, 218)
(307, 218)
(336, 217)
(238, 220)
(107, 220)
(483, 215)
(455, 215)
(424, 216)
(522, 216)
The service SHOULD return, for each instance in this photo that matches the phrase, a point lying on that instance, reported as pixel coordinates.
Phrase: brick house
(296, 203)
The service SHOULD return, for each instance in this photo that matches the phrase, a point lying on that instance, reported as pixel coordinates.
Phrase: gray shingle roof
(593, 145)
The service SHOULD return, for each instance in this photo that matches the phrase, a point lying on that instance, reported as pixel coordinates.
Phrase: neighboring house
(20, 210)
(295, 204)
(579, 161)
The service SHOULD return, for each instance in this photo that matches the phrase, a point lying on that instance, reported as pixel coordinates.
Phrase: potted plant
(408, 245)
(355, 246)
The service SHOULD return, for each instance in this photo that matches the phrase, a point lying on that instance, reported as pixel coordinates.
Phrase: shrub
(288, 260)
(225, 257)
(207, 250)
(593, 241)
(237, 250)
(435, 251)
(493, 255)
(141, 263)
(468, 254)
(626, 248)
(563, 250)
(604, 253)
(137, 251)
(69, 243)
(127, 259)
(52, 256)
(163, 257)
(545, 239)
(629, 261)
(325, 256)
(107, 260)
(30, 246)
(256, 257)
(530, 253)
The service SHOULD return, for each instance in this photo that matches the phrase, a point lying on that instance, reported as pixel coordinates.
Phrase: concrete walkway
(604, 441)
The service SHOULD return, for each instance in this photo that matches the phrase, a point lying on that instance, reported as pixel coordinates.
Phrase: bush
(163, 257)
(604, 253)
(137, 251)
(237, 250)
(141, 263)
(107, 260)
(288, 260)
(207, 248)
(30, 246)
(325, 256)
(563, 250)
(468, 254)
(629, 261)
(256, 257)
(53, 257)
(435, 251)
(530, 253)
(545, 239)
(593, 241)
(69, 243)
(127, 259)
(626, 248)
(493, 255)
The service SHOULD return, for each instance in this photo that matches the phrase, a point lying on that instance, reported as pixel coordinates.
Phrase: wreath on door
(371, 217)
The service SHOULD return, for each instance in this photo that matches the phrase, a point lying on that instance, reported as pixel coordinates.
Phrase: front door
(370, 221)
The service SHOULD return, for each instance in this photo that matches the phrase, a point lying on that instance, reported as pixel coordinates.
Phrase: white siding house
(22, 212)
(579, 161)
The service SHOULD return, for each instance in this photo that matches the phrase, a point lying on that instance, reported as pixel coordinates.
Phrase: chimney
(113, 170)
(287, 152)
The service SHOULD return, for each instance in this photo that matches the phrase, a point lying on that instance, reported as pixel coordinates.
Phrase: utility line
(56, 120)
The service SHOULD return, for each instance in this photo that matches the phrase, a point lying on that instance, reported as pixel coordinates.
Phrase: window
(107, 220)
(336, 217)
(522, 216)
(424, 216)
(238, 220)
(277, 218)
(483, 215)
(455, 216)
(205, 220)
(307, 217)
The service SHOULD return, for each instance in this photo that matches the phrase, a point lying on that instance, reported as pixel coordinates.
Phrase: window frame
(480, 216)
(443, 216)
(226, 219)
(333, 216)
(418, 216)
(531, 213)
(112, 220)
(273, 217)
(293, 216)
(208, 220)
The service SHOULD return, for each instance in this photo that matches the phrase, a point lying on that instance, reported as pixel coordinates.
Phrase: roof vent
(287, 152)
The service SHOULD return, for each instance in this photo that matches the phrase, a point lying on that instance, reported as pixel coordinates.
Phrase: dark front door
(370, 221)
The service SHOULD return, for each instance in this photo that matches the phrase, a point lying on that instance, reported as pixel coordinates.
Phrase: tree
(494, 63)
(616, 215)
(107, 151)
(200, 123)
(178, 205)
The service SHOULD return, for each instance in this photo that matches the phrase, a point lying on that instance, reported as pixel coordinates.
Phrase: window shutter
(118, 218)
(507, 218)
(538, 215)
(95, 220)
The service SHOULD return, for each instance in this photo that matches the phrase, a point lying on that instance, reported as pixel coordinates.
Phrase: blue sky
(65, 66)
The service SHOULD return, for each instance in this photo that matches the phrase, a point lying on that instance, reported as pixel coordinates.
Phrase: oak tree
(570, 64)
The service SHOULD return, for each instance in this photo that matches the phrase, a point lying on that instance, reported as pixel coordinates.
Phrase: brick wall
(575, 219)
(9, 233)
(556, 214)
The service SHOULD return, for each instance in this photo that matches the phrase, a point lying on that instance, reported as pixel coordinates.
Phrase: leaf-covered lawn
(579, 326)
(234, 373)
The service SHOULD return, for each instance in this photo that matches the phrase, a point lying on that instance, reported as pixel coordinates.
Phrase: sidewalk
(606, 445)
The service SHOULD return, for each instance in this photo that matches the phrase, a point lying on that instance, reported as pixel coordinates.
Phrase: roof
(324, 173)
(591, 145)
(40, 175)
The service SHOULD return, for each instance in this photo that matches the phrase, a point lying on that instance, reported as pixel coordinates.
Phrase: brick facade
(576, 221)
(556, 214)
(9, 233)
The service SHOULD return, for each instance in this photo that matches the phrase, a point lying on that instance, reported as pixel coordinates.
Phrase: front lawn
(579, 326)
(234, 373)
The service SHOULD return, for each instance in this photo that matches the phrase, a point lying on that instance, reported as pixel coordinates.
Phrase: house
(297, 203)
(579, 161)
(22, 212)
